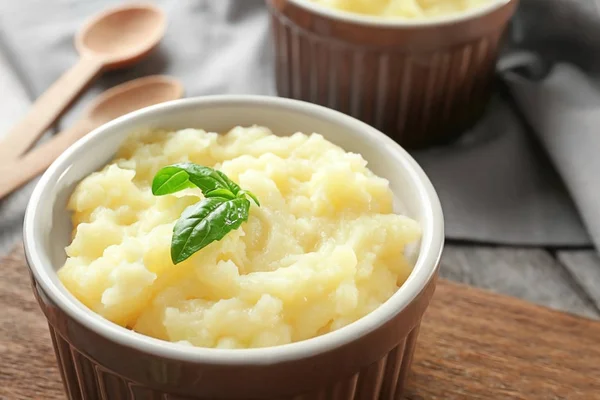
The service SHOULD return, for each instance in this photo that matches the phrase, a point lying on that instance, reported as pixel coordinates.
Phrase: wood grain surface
(473, 345)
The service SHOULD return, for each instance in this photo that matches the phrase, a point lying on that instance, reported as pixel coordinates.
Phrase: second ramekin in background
(420, 82)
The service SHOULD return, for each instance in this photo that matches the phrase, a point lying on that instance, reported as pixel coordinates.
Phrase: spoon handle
(17, 172)
(49, 107)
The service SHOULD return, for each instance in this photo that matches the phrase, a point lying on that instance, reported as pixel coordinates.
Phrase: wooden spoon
(113, 103)
(113, 39)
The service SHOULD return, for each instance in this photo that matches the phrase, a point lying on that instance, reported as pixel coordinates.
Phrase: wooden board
(473, 345)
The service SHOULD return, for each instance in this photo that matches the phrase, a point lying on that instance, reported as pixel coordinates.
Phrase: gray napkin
(497, 184)
(14, 101)
(558, 93)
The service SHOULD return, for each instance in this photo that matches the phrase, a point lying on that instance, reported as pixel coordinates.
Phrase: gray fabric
(497, 184)
(13, 103)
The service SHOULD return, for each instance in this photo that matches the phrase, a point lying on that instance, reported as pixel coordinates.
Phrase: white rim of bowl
(397, 22)
(425, 267)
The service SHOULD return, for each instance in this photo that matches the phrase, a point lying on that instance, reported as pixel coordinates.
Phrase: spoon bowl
(132, 96)
(122, 35)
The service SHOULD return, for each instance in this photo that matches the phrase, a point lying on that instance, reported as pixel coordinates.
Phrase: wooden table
(473, 344)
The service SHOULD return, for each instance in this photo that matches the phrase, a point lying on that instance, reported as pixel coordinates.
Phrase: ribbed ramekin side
(416, 96)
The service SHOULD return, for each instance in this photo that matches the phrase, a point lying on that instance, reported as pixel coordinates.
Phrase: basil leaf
(252, 196)
(170, 180)
(205, 222)
(224, 208)
(176, 177)
(224, 193)
(228, 183)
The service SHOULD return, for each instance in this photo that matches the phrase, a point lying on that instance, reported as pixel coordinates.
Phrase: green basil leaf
(170, 180)
(176, 177)
(225, 206)
(252, 196)
(228, 183)
(205, 222)
(224, 193)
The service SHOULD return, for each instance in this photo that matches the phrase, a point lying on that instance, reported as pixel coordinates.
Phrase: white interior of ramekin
(362, 19)
(47, 223)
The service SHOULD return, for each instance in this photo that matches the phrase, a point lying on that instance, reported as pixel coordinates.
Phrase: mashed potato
(403, 8)
(323, 250)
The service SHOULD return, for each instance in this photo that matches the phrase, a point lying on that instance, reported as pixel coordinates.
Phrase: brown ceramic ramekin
(419, 82)
(368, 359)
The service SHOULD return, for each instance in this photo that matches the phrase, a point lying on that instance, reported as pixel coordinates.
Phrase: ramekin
(421, 82)
(367, 359)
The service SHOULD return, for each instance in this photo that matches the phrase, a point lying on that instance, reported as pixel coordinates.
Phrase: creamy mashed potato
(323, 250)
(403, 8)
